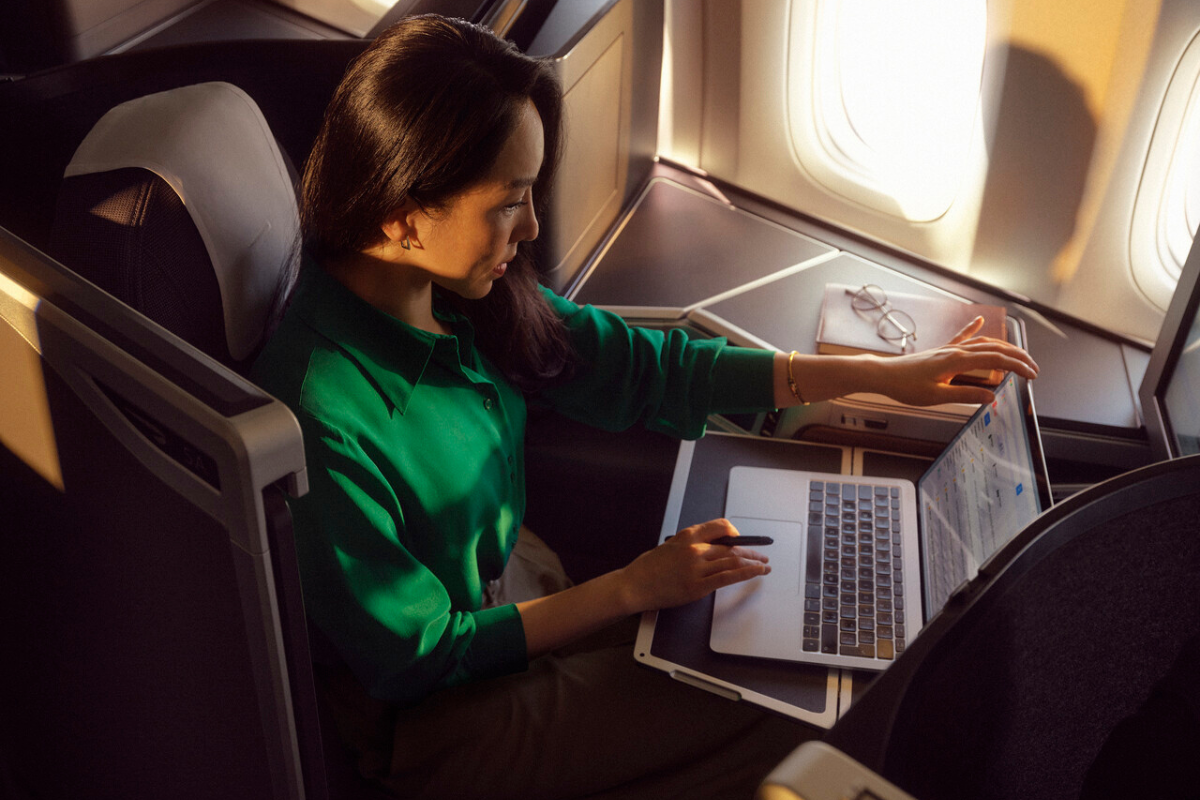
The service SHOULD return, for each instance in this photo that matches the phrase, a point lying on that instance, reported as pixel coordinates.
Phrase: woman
(414, 338)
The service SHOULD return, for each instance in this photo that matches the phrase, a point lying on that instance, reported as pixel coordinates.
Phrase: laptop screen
(1183, 411)
(1171, 384)
(985, 487)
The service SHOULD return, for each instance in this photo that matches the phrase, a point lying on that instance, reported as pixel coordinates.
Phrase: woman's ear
(402, 226)
(396, 228)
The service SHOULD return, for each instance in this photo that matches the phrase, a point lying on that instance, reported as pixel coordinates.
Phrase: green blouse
(415, 450)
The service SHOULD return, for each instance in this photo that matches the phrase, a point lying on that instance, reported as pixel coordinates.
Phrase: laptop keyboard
(854, 580)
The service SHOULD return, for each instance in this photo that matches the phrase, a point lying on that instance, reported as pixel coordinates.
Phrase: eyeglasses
(894, 326)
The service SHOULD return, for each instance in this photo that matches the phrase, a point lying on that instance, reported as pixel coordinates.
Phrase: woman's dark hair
(423, 114)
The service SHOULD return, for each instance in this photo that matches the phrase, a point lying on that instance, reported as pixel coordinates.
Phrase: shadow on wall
(1039, 154)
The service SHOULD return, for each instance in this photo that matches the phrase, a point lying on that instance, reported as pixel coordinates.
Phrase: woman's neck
(402, 292)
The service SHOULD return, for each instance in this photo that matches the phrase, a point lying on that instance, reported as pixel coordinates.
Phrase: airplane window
(1167, 209)
(884, 99)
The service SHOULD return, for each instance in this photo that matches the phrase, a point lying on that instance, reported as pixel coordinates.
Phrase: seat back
(1012, 691)
(182, 205)
(153, 628)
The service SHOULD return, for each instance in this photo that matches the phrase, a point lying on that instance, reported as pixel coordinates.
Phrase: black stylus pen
(745, 541)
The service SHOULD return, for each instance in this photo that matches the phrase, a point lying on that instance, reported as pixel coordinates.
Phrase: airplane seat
(1026, 684)
(182, 204)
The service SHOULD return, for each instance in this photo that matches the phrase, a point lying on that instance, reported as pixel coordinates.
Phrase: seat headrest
(211, 144)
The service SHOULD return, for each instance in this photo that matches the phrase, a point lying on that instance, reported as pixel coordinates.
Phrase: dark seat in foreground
(1015, 688)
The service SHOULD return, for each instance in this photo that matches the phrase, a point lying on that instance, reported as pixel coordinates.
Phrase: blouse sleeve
(386, 613)
(665, 380)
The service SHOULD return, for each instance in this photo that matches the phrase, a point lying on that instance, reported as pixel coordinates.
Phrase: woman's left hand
(923, 379)
(918, 379)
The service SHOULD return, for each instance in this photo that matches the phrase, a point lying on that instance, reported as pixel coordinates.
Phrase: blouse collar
(393, 354)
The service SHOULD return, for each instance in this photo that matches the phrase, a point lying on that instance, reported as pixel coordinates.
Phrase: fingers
(750, 553)
(1019, 360)
(965, 359)
(730, 570)
(973, 327)
(732, 576)
(709, 531)
(734, 565)
(720, 559)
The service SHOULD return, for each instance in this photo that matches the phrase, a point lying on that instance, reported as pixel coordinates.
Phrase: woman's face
(467, 246)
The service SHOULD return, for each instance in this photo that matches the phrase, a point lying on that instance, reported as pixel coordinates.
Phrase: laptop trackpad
(750, 610)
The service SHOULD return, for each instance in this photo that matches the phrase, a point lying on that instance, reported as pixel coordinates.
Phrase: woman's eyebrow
(521, 183)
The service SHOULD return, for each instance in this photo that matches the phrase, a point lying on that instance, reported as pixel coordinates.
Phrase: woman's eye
(511, 208)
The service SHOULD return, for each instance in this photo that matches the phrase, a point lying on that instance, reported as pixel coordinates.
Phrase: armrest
(817, 771)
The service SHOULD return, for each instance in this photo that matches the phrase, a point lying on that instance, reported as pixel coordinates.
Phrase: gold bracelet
(791, 379)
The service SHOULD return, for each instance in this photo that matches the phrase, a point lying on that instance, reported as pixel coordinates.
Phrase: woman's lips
(500, 269)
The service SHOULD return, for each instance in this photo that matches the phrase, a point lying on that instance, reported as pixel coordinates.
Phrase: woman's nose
(527, 228)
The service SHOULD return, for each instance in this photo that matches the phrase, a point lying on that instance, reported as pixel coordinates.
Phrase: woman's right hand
(687, 567)
(684, 568)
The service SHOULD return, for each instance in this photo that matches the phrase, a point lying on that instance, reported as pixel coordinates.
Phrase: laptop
(859, 564)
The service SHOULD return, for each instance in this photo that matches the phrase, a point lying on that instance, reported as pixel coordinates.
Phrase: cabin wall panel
(1069, 92)
(92, 27)
(356, 18)
(1100, 285)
